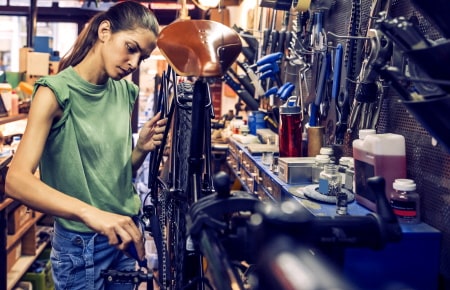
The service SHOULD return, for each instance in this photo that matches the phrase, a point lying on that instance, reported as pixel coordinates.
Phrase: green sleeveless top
(88, 151)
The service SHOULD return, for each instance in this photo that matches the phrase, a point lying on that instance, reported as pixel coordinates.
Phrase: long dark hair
(125, 15)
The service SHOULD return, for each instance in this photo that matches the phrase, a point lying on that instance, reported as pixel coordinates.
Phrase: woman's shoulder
(58, 83)
(62, 77)
(127, 85)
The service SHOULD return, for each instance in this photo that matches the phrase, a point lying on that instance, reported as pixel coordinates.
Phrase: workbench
(414, 261)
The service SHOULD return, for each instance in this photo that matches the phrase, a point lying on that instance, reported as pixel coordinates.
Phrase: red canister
(290, 129)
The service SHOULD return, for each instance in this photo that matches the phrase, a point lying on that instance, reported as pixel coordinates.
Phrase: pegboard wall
(428, 163)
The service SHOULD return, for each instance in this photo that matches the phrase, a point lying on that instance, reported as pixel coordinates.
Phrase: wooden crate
(18, 218)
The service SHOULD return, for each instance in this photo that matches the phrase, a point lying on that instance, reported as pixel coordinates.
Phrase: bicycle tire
(171, 207)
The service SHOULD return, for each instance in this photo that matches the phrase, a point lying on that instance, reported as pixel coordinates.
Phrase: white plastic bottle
(377, 155)
(405, 201)
(15, 143)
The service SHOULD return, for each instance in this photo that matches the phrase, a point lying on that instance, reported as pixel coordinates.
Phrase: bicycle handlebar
(285, 229)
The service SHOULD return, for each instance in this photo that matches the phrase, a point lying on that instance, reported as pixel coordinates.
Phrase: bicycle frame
(207, 52)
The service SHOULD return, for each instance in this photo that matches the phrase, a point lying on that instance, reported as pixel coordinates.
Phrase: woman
(79, 134)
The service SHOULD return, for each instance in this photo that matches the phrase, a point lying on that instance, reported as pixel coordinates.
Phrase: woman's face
(125, 50)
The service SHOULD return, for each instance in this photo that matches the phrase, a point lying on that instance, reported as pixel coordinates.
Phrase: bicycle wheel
(174, 202)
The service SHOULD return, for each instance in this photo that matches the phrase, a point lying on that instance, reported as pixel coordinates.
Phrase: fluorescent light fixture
(169, 6)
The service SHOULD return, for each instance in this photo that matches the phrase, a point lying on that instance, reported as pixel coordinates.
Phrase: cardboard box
(24, 285)
(19, 217)
(13, 255)
(42, 280)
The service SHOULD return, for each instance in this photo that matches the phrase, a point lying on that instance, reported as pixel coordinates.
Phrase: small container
(14, 104)
(295, 170)
(236, 124)
(343, 166)
(319, 162)
(341, 203)
(405, 201)
(330, 181)
(328, 151)
(377, 155)
(244, 130)
(290, 129)
(349, 183)
(267, 158)
(15, 143)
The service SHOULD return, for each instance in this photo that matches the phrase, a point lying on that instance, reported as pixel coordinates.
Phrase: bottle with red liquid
(377, 155)
(290, 129)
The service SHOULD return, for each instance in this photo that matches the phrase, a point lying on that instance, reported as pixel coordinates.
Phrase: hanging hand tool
(275, 34)
(284, 35)
(320, 88)
(270, 36)
(349, 74)
(258, 91)
(317, 43)
(368, 84)
(244, 95)
(318, 36)
(270, 94)
(250, 51)
(266, 35)
(330, 124)
(285, 91)
(245, 81)
(269, 68)
(369, 90)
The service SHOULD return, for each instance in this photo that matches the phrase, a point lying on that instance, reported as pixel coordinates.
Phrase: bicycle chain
(162, 220)
(351, 48)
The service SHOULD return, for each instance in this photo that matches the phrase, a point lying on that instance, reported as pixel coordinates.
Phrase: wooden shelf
(12, 239)
(9, 119)
(6, 203)
(21, 266)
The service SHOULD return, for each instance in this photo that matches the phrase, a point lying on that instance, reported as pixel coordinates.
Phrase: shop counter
(412, 263)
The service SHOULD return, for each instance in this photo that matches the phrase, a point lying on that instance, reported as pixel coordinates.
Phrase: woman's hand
(120, 230)
(151, 134)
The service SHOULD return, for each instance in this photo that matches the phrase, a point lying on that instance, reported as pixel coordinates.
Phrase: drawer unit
(270, 187)
(247, 175)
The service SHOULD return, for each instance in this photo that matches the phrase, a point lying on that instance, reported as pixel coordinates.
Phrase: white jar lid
(326, 151)
(344, 160)
(322, 158)
(364, 132)
(404, 184)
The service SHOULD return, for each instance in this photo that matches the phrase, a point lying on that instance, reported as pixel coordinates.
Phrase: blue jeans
(78, 258)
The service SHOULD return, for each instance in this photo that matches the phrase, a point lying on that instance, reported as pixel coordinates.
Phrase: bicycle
(205, 234)
(194, 62)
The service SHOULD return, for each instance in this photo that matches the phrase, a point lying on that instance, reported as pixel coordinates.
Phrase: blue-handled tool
(320, 89)
(270, 58)
(333, 111)
(285, 91)
(273, 66)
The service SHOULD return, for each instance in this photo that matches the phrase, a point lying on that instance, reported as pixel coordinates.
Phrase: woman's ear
(104, 30)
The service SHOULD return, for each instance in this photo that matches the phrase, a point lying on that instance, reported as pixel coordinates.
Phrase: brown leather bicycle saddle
(201, 48)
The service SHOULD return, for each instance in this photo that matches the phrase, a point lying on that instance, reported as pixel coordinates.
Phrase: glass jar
(349, 175)
(343, 165)
(330, 180)
(328, 151)
(319, 163)
(405, 201)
